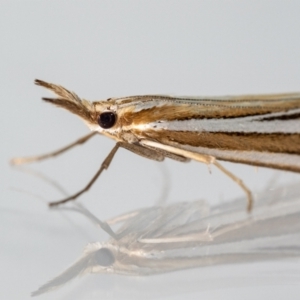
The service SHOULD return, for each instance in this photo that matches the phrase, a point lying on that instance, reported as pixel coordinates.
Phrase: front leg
(25, 160)
(105, 164)
(142, 151)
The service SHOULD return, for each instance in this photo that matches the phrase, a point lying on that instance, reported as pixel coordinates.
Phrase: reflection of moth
(259, 130)
(188, 235)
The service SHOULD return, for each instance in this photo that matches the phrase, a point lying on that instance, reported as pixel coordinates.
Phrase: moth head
(97, 115)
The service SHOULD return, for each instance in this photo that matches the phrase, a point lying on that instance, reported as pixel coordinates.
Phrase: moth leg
(131, 147)
(144, 151)
(207, 159)
(170, 155)
(239, 182)
(25, 160)
(104, 166)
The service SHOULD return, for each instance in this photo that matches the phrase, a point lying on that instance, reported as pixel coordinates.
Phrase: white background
(103, 49)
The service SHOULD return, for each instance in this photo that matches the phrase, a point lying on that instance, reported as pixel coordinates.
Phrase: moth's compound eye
(104, 257)
(107, 119)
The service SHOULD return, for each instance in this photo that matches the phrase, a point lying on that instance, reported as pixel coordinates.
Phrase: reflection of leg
(165, 187)
(103, 225)
(43, 177)
(239, 182)
(104, 166)
(25, 160)
(127, 216)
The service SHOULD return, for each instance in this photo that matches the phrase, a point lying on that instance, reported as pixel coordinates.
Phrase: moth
(185, 235)
(258, 130)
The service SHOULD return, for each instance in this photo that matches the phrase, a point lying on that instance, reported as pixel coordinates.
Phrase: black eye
(107, 119)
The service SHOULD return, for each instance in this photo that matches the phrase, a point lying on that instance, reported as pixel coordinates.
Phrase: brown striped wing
(261, 130)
